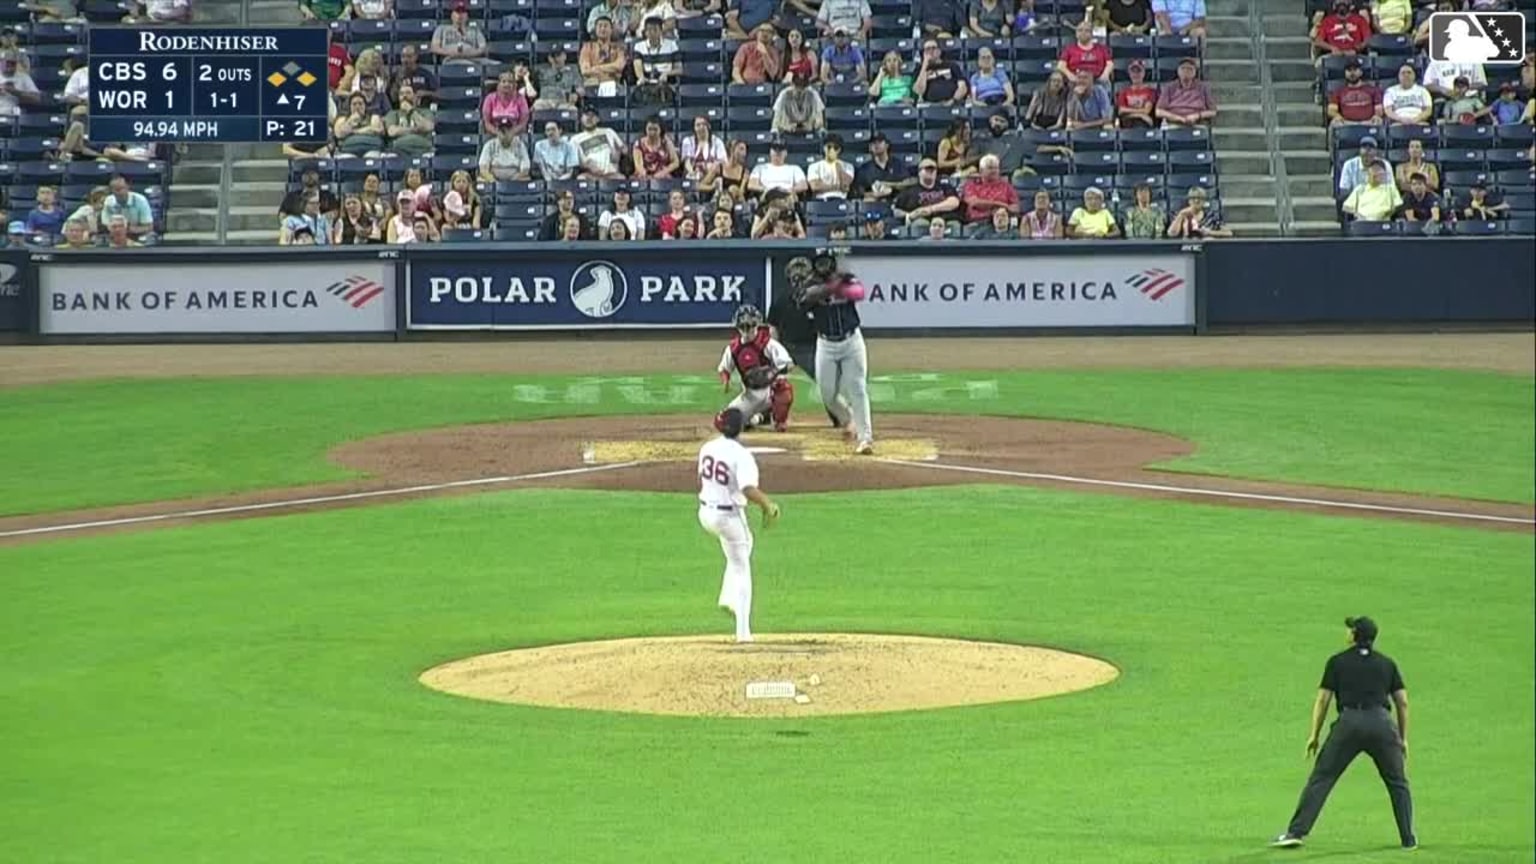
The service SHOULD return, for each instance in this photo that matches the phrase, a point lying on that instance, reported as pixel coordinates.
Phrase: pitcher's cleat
(1286, 841)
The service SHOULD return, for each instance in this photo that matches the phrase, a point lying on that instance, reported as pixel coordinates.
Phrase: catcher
(763, 364)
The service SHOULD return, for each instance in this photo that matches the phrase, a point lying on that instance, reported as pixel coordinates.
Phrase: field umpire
(1362, 680)
(795, 328)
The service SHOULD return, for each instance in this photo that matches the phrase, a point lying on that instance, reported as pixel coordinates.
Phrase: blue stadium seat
(748, 94)
(1029, 46)
(1125, 46)
(521, 191)
(844, 94)
(31, 148)
(1187, 138)
(416, 9)
(458, 98)
(518, 210)
(1032, 70)
(40, 173)
(1090, 140)
(465, 235)
(1127, 183)
(557, 30)
(701, 95)
(460, 121)
(1467, 137)
(1513, 135)
(1141, 138)
(699, 50)
(703, 73)
(1476, 228)
(890, 27)
(1464, 178)
(1516, 178)
(749, 119)
(703, 25)
(1522, 225)
(1348, 137)
(1181, 181)
(1504, 159)
(1144, 161)
(89, 172)
(1175, 46)
(827, 211)
(848, 118)
(1049, 163)
(1363, 228)
(893, 117)
(1461, 160)
(1520, 202)
(502, 50)
(713, 113)
(879, 47)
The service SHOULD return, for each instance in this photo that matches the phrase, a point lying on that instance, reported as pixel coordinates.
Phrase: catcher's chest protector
(747, 355)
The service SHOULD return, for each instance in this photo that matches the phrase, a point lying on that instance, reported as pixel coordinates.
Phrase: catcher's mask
(747, 319)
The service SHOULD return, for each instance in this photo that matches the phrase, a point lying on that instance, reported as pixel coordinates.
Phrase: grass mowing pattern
(244, 692)
(113, 442)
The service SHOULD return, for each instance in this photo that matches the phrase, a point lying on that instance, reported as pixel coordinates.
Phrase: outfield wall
(916, 287)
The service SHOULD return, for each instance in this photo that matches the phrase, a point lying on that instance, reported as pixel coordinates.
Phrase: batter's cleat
(865, 448)
(1287, 841)
(743, 640)
(848, 432)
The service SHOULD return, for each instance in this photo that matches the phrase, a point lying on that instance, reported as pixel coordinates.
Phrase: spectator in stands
(401, 226)
(569, 230)
(160, 12)
(776, 206)
(309, 187)
(989, 83)
(722, 226)
(1197, 219)
(776, 173)
(456, 41)
(1144, 220)
(842, 61)
(617, 230)
(989, 20)
(1088, 105)
(554, 226)
(131, 205)
(939, 81)
(757, 60)
(1343, 31)
(603, 60)
(1180, 17)
(830, 178)
(47, 215)
(1024, 17)
(416, 183)
(16, 86)
(1186, 100)
(987, 190)
(322, 10)
(1129, 16)
(9, 42)
(375, 205)
(1463, 105)
(688, 229)
(1376, 199)
(657, 67)
(554, 156)
(75, 146)
(927, 198)
(559, 83)
(798, 110)
(1527, 86)
(938, 230)
(461, 204)
(703, 155)
(424, 230)
(359, 132)
(311, 220)
(410, 126)
(90, 211)
(505, 157)
(1048, 106)
(1086, 55)
(1407, 102)
(1003, 142)
(734, 172)
(938, 19)
(837, 232)
(655, 154)
(373, 10)
(892, 85)
(1355, 169)
(601, 149)
(1421, 33)
(874, 226)
(1392, 17)
(339, 68)
(853, 16)
(422, 80)
(743, 17)
(662, 10)
(77, 235)
(880, 177)
(354, 226)
(1440, 78)
(370, 77)
(1420, 204)
(998, 227)
(632, 219)
(955, 156)
(1416, 164)
(77, 90)
(1507, 109)
(1136, 101)
(52, 11)
(1356, 100)
(120, 235)
(509, 101)
(1092, 220)
(620, 14)
(16, 235)
(799, 59)
(1483, 203)
(677, 211)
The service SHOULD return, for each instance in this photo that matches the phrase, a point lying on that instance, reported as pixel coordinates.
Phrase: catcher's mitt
(760, 377)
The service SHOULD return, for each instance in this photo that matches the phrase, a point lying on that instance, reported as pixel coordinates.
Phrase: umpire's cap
(1363, 628)
(731, 421)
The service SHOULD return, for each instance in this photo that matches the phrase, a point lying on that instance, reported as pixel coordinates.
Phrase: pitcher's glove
(760, 377)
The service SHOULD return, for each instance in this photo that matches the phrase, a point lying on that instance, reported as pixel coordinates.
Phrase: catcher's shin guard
(783, 397)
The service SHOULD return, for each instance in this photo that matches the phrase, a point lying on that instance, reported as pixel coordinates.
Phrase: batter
(842, 366)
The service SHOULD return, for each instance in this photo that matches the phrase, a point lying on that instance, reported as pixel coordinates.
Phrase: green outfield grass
(245, 691)
(1428, 431)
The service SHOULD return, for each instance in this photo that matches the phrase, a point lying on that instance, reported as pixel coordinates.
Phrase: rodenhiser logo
(354, 291)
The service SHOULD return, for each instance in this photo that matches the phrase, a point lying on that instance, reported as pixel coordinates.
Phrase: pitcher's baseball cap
(1363, 628)
(731, 421)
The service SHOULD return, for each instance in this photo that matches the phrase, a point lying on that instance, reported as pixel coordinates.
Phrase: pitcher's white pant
(842, 370)
(735, 535)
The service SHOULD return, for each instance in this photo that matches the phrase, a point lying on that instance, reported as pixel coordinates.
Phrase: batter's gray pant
(1358, 730)
(842, 369)
(804, 355)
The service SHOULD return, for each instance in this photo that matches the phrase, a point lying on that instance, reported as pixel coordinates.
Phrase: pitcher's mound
(788, 675)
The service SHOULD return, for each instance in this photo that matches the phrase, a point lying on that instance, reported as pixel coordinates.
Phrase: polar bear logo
(599, 289)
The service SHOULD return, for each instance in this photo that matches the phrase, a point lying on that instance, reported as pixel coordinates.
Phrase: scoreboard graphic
(202, 84)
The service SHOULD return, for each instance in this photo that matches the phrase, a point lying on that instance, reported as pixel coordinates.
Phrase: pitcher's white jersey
(725, 468)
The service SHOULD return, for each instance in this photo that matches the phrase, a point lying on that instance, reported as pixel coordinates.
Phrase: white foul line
(305, 502)
(1214, 493)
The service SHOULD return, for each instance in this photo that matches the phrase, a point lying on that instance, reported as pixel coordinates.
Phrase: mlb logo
(1491, 38)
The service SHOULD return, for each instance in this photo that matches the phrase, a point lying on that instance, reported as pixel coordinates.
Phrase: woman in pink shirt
(1041, 223)
(509, 99)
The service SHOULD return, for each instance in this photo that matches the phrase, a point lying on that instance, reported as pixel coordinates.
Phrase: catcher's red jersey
(752, 353)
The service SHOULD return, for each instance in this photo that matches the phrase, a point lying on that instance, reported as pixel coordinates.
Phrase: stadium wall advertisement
(1027, 291)
(607, 289)
(316, 296)
(14, 268)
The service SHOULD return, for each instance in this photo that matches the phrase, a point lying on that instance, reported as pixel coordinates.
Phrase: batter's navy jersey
(835, 319)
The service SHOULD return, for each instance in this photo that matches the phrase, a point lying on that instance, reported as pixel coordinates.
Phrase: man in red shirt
(1342, 31)
(1357, 101)
(1135, 101)
(1087, 55)
(988, 190)
(338, 65)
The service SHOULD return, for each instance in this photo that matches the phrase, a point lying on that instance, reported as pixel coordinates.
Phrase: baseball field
(434, 602)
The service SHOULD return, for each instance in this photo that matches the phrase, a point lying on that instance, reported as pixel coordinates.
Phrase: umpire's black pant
(804, 355)
(1356, 731)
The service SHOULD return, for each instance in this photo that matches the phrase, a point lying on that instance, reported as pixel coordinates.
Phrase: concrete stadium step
(273, 12)
(1221, 26)
(213, 13)
(1248, 186)
(238, 218)
(259, 171)
(1230, 164)
(1253, 229)
(1229, 48)
(1288, 25)
(1311, 186)
(1244, 115)
(1253, 210)
(1292, 71)
(1251, 139)
(193, 196)
(1329, 228)
(1227, 7)
(1308, 163)
(1315, 209)
(194, 173)
(1232, 72)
